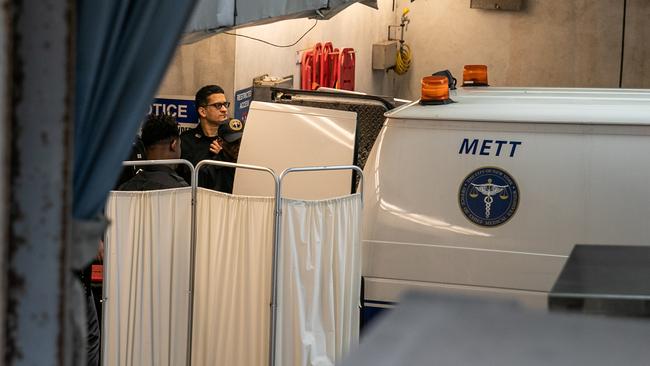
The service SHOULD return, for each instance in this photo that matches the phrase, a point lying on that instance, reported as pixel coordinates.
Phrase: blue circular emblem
(488, 196)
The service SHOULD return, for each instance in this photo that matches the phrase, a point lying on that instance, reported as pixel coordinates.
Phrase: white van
(488, 195)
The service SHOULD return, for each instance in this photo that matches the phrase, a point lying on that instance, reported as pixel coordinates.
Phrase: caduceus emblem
(488, 189)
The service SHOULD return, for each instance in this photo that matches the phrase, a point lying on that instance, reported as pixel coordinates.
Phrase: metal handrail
(195, 176)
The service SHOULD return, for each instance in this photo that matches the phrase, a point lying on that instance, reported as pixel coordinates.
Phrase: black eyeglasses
(219, 105)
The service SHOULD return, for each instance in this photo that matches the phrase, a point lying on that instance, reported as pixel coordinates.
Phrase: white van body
(578, 164)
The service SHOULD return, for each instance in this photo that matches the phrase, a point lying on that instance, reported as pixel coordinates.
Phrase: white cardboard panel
(280, 136)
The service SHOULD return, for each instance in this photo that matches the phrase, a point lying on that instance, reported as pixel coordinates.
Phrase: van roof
(544, 105)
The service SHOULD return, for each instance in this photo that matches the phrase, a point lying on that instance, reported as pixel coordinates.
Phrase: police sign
(181, 107)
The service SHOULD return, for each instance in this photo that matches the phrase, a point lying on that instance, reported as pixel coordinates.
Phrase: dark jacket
(154, 177)
(195, 146)
(137, 153)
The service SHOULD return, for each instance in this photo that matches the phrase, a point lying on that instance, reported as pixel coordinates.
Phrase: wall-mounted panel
(497, 4)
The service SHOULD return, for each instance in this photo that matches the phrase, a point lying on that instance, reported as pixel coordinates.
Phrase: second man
(204, 143)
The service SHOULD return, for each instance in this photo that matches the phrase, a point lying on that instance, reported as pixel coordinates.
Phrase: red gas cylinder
(334, 60)
(315, 71)
(325, 65)
(346, 74)
(306, 66)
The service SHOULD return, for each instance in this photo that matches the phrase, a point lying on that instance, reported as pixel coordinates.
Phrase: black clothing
(152, 177)
(218, 178)
(195, 146)
(93, 342)
(93, 347)
(137, 153)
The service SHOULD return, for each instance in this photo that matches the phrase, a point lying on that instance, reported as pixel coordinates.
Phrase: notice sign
(181, 107)
(243, 99)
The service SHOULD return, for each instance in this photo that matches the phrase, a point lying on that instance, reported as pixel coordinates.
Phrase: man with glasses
(202, 142)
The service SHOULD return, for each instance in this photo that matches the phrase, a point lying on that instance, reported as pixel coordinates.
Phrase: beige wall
(358, 27)
(636, 61)
(210, 61)
(548, 43)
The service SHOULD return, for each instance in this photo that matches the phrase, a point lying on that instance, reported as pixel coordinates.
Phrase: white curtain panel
(232, 288)
(147, 278)
(319, 281)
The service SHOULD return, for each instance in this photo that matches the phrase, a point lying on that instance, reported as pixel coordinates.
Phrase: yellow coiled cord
(403, 61)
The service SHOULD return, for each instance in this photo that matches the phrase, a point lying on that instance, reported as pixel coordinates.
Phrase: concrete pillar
(41, 87)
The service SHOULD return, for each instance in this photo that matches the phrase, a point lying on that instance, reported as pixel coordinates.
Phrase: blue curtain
(123, 49)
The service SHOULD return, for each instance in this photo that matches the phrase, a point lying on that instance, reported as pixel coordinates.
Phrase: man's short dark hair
(159, 128)
(201, 98)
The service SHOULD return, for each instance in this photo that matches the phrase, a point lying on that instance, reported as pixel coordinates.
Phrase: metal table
(441, 330)
(604, 279)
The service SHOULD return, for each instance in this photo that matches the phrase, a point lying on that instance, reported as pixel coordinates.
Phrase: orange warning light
(435, 88)
(475, 75)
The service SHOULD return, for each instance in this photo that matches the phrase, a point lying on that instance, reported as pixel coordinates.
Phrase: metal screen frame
(324, 168)
(276, 214)
(278, 208)
(106, 249)
(276, 234)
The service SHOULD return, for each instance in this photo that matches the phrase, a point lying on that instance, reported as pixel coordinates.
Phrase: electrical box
(384, 54)
(497, 4)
